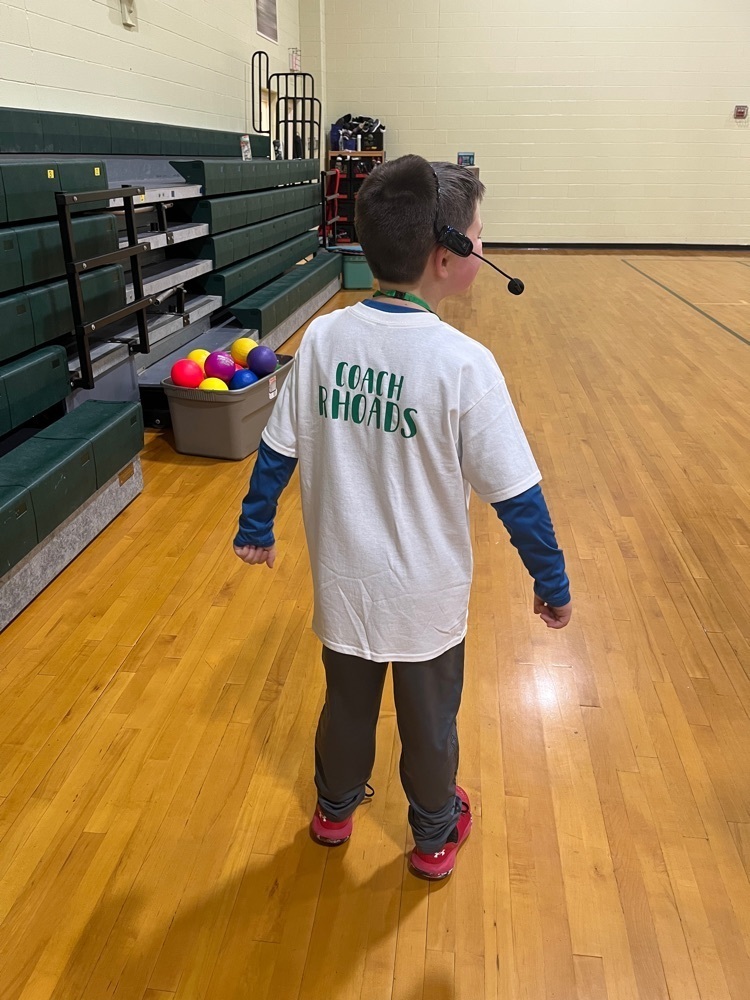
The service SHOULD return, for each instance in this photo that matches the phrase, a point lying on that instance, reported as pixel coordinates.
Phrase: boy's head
(396, 221)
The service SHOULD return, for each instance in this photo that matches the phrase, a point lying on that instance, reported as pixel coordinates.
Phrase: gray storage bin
(223, 424)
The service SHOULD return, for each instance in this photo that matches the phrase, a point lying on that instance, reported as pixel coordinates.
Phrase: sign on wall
(267, 19)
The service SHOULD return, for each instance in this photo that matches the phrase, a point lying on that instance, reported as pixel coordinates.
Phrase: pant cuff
(339, 811)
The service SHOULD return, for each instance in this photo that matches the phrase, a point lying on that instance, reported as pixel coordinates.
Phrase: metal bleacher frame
(74, 269)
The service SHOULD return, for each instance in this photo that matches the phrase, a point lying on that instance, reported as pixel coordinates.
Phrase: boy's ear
(440, 258)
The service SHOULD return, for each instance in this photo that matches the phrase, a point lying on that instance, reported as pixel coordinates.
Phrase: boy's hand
(254, 556)
(553, 617)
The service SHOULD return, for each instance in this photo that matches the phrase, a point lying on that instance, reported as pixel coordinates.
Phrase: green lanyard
(406, 297)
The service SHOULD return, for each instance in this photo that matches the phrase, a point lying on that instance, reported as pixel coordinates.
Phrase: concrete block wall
(592, 121)
(186, 62)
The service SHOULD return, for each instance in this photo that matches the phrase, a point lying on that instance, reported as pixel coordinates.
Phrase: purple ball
(262, 361)
(220, 365)
(242, 379)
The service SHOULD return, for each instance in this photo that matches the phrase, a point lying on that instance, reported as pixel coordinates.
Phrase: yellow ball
(199, 357)
(241, 348)
(214, 383)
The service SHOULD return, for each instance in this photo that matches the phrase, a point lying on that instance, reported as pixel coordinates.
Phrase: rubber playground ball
(199, 356)
(262, 361)
(187, 374)
(217, 384)
(241, 348)
(243, 379)
(220, 365)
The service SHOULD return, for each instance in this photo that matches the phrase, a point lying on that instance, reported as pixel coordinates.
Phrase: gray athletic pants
(427, 697)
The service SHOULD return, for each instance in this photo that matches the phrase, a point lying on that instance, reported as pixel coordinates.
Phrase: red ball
(187, 374)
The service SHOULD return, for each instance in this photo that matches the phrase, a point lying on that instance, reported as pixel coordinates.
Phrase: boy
(393, 416)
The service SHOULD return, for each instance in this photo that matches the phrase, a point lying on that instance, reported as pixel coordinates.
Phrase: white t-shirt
(393, 417)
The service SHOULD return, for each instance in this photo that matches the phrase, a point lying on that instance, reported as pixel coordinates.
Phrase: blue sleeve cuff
(529, 525)
(271, 474)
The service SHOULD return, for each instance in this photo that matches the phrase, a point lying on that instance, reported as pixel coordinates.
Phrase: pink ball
(220, 365)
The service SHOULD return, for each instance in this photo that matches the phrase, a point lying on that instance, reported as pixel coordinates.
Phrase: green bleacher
(238, 244)
(29, 186)
(24, 131)
(46, 479)
(233, 283)
(50, 463)
(221, 214)
(32, 385)
(234, 176)
(262, 218)
(271, 305)
(39, 248)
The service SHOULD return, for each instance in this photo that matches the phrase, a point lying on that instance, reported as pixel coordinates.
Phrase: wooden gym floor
(159, 702)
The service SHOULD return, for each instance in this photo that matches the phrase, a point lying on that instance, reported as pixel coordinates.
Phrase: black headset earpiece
(454, 241)
(462, 245)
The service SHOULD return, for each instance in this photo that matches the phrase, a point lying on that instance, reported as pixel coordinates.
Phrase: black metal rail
(75, 268)
(298, 112)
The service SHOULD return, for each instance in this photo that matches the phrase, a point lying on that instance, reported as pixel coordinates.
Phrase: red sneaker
(327, 832)
(439, 865)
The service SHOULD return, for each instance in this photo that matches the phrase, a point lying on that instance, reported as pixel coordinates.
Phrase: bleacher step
(179, 234)
(215, 339)
(152, 195)
(166, 275)
(107, 355)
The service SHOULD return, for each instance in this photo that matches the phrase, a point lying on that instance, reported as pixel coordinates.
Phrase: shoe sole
(429, 878)
(324, 842)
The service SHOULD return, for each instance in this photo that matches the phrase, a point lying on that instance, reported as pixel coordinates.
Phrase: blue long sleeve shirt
(270, 477)
(528, 522)
(525, 517)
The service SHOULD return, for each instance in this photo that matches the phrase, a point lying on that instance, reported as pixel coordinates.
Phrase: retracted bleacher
(63, 476)
(229, 245)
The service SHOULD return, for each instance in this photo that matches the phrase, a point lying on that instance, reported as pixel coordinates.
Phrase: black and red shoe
(332, 833)
(327, 832)
(440, 864)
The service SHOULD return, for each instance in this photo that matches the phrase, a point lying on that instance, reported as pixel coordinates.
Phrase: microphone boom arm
(515, 285)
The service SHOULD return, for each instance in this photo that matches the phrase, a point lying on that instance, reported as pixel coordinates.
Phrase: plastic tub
(223, 424)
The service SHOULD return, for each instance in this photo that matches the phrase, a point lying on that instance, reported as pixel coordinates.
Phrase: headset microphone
(515, 285)
(462, 246)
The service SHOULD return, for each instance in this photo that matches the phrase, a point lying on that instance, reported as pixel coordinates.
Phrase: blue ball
(242, 379)
(262, 361)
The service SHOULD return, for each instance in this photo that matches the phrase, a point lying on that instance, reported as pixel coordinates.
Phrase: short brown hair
(395, 213)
